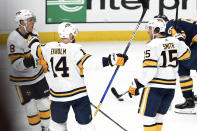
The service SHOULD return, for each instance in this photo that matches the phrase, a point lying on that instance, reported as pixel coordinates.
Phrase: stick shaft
(116, 70)
(109, 118)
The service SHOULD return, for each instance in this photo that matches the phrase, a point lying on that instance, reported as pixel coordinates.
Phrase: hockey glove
(117, 59)
(179, 36)
(32, 39)
(44, 64)
(134, 88)
(29, 61)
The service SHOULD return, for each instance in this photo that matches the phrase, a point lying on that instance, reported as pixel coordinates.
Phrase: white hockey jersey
(65, 69)
(17, 49)
(160, 63)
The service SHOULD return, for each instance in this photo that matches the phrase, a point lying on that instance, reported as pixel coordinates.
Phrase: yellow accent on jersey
(159, 127)
(19, 94)
(173, 31)
(194, 39)
(14, 57)
(23, 79)
(45, 114)
(163, 81)
(67, 94)
(80, 65)
(34, 120)
(44, 65)
(186, 55)
(39, 53)
(29, 36)
(186, 89)
(185, 84)
(151, 128)
(148, 63)
(144, 100)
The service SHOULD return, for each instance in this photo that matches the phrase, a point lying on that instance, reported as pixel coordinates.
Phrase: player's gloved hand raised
(179, 36)
(134, 88)
(117, 59)
(32, 39)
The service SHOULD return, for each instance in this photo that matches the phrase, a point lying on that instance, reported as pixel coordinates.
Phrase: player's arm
(149, 70)
(88, 61)
(19, 59)
(36, 51)
(178, 32)
(184, 52)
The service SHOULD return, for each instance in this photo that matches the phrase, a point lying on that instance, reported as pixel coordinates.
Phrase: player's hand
(179, 36)
(117, 59)
(134, 87)
(29, 61)
(32, 39)
(44, 64)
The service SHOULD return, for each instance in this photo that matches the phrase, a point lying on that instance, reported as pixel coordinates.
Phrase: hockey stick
(110, 118)
(176, 17)
(145, 7)
(115, 93)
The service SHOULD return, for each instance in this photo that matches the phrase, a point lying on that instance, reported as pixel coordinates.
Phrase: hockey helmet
(65, 29)
(157, 23)
(24, 15)
(164, 17)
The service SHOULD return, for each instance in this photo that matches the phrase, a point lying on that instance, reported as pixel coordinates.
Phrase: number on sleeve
(12, 48)
(146, 54)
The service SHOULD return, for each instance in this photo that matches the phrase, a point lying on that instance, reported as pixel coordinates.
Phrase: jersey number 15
(169, 58)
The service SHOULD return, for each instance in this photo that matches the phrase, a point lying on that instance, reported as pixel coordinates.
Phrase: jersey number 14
(60, 66)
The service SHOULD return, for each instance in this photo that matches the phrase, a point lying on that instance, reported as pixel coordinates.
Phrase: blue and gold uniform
(160, 65)
(188, 28)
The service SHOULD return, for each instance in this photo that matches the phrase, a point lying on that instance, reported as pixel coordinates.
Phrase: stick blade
(115, 93)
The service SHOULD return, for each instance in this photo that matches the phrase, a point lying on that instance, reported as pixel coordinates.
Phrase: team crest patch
(28, 93)
(18, 13)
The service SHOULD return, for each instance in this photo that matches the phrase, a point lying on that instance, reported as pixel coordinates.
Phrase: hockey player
(66, 61)
(186, 30)
(30, 83)
(158, 80)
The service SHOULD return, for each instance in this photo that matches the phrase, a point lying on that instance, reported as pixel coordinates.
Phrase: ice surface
(123, 112)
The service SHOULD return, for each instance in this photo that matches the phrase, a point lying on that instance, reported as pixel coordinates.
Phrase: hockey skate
(188, 107)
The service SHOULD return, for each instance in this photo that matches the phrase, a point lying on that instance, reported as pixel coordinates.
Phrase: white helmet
(65, 29)
(24, 15)
(157, 23)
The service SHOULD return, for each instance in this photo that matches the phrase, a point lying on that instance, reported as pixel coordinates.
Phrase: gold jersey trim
(186, 55)
(150, 63)
(24, 79)
(68, 93)
(16, 56)
(80, 63)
